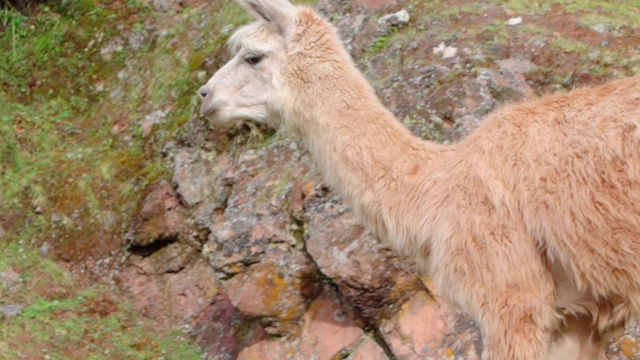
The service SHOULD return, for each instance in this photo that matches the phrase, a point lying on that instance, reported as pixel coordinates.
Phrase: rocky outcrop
(248, 246)
(369, 275)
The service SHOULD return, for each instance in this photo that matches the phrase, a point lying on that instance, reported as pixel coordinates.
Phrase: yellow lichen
(630, 348)
(449, 353)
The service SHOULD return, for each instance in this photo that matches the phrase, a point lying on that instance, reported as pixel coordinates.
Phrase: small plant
(383, 40)
(13, 22)
(380, 43)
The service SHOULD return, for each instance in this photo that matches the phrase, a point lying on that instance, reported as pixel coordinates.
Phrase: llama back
(569, 167)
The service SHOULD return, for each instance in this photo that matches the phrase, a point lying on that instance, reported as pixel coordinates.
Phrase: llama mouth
(209, 108)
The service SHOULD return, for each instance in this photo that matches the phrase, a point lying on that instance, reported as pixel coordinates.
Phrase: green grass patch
(88, 326)
(568, 45)
(617, 13)
(62, 321)
(77, 81)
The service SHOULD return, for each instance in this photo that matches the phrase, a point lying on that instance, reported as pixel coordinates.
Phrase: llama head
(248, 86)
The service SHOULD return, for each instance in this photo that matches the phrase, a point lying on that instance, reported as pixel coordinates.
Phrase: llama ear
(279, 13)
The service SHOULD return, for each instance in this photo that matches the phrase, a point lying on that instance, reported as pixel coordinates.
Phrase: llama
(531, 224)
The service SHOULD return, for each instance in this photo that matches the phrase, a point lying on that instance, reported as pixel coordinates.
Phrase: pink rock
(417, 327)
(269, 289)
(191, 289)
(196, 176)
(328, 328)
(368, 349)
(428, 328)
(163, 289)
(269, 349)
(328, 332)
(149, 299)
(369, 274)
(159, 216)
(222, 332)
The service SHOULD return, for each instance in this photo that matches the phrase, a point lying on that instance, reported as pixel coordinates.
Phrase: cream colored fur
(531, 224)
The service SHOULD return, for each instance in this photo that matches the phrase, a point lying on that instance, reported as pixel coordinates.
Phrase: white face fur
(247, 87)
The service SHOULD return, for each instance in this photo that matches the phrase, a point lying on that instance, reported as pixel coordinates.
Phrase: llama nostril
(203, 92)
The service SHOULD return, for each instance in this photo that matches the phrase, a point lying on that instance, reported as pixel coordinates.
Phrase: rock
(630, 347)
(166, 5)
(171, 258)
(45, 248)
(9, 311)
(279, 289)
(449, 52)
(195, 175)
(600, 28)
(222, 332)
(627, 346)
(191, 290)
(329, 330)
(140, 37)
(233, 246)
(514, 21)
(446, 51)
(146, 289)
(9, 281)
(113, 46)
(489, 88)
(516, 65)
(367, 349)
(160, 217)
(425, 328)
(9, 278)
(263, 181)
(632, 327)
(480, 93)
(170, 284)
(396, 19)
(156, 117)
(273, 349)
(370, 275)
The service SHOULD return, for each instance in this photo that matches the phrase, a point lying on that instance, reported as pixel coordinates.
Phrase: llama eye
(253, 59)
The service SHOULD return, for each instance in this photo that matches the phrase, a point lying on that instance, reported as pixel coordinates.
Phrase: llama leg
(497, 275)
(514, 309)
(517, 326)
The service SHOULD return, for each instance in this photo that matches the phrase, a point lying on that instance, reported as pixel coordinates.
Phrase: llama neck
(364, 147)
(365, 154)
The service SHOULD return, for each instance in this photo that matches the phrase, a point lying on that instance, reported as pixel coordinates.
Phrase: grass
(60, 321)
(567, 45)
(71, 113)
(74, 162)
(615, 14)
